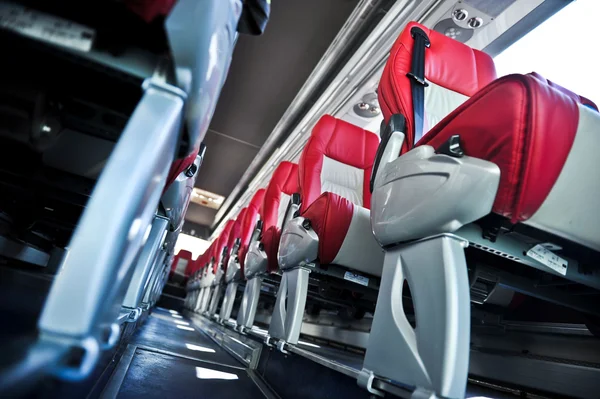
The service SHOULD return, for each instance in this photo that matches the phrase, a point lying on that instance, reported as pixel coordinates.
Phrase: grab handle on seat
(236, 247)
(224, 253)
(293, 209)
(257, 235)
(396, 125)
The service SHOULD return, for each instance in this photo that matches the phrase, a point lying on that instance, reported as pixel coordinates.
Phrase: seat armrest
(257, 234)
(236, 247)
(392, 138)
(293, 209)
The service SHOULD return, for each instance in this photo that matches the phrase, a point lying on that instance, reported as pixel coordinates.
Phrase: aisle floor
(169, 358)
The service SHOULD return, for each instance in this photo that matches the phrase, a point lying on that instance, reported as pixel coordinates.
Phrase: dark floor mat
(161, 332)
(156, 375)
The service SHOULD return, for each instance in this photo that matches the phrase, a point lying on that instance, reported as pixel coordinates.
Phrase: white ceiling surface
(361, 75)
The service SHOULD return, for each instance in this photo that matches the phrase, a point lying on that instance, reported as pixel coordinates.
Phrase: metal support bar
(435, 355)
(214, 301)
(510, 246)
(206, 299)
(228, 299)
(249, 304)
(147, 260)
(195, 300)
(243, 305)
(277, 324)
(547, 293)
(85, 297)
(297, 291)
(23, 252)
(160, 283)
(150, 289)
(200, 299)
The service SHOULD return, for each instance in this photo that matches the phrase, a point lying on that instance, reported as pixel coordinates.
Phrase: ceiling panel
(225, 161)
(265, 75)
(268, 71)
(200, 214)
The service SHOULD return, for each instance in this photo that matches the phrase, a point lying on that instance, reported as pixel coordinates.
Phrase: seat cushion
(330, 216)
(344, 231)
(524, 126)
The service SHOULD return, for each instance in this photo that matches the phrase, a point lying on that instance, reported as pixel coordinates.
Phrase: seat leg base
(247, 311)
(228, 299)
(434, 357)
(214, 301)
(297, 291)
(277, 325)
(205, 299)
(199, 300)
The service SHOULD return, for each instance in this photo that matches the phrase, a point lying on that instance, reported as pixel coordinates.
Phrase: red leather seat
(205, 259)
(334, 173)
(183, 259)
(250, 218)
(537, 132)
(282, 185)
(243, 228)
(191, 266)
(222, 242)
(235, 233)
(202, 261)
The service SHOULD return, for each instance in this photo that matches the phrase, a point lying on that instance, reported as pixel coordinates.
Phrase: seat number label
(355, 278)
(548, 258)
(45, 27)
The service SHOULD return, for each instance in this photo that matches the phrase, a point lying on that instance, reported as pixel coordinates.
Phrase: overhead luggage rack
(96, 34)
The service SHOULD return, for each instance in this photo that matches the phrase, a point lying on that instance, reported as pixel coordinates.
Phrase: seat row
(465, 159)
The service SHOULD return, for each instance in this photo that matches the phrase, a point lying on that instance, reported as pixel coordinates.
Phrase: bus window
(562, 49)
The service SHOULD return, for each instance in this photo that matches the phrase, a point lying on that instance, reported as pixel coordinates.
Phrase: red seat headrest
(284, 180)
(449, 64)
(222, 241)
(249, 223)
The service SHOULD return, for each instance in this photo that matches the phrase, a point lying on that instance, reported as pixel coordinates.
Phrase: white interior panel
(343, 180)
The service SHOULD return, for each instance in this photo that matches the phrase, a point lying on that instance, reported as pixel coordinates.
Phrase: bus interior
(299, 199)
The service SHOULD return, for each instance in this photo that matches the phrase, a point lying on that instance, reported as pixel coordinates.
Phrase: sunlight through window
(574, 65)
(181, 322)
(176, 316)
(173, 311)
(210, 374)
(185, 328)
(198, 348)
